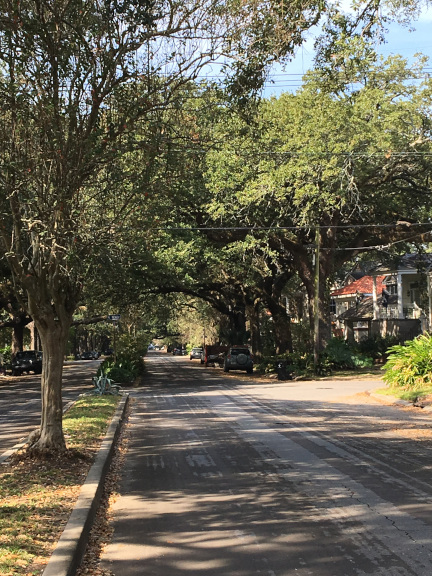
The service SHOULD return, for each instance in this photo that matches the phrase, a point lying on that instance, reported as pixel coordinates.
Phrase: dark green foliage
(6, 354)
(299, 364)
(342, 355)
(129, 361)
(376, 346)
(338, 355)
(267, 364)
(301, 335)
(121, 371)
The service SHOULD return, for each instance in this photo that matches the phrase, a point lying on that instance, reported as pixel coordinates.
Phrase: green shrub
(376, 346)
(322, 368)
(301, 338)
(129, 362)
(6, 355)
(298, 363)
(363, 361)
(342, 355)
(121, 371)
(339, 354)
(132, 348)
(267, 364)
(409, 365)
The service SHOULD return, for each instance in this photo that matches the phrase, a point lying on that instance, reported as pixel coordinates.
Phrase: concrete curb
(71, 546)
(11, 451)
(390, 400)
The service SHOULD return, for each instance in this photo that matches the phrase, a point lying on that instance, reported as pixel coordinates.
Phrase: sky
(400, 40)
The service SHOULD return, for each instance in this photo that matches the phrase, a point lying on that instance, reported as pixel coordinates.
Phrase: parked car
(27, 361)
(195, 354)
(90, 355)
(238, 358)
(178, 352)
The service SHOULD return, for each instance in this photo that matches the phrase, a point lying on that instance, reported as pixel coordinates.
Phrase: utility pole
(316, 298)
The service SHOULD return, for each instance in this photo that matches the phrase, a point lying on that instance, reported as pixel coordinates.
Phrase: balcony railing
(389, 312)
(409, 312)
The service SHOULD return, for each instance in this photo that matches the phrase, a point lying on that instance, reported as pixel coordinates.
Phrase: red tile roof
(363, 285)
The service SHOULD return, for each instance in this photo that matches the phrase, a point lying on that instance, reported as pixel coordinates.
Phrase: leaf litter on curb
(101, 532)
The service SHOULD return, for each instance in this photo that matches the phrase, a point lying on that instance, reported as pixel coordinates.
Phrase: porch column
(399, 295)
(350, 330)
(375, 299)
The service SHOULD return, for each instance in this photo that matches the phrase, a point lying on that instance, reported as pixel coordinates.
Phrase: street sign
(114, 317)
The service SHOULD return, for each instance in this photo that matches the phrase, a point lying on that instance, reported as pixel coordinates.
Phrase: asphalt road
(228, 476)
(20, 400)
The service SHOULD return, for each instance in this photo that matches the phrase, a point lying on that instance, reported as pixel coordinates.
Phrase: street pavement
(227, 475)
(20, 400)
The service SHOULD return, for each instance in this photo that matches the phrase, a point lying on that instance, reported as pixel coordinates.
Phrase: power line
(426, 70)
(288, 228)
(173, 147)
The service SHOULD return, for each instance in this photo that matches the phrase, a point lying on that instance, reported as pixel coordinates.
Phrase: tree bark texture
(252, 312)
(281, 327)
(54, 338)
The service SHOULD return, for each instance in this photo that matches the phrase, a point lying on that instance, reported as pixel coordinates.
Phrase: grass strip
(38, 495)
(409, 395)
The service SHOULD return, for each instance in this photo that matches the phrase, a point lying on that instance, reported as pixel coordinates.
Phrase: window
(237, 351)
(413, 292)
(390, 284)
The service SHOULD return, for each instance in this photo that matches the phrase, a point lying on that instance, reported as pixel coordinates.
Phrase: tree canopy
(111, 149)
(83, 87)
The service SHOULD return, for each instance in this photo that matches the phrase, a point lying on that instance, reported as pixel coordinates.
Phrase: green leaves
(409, 366)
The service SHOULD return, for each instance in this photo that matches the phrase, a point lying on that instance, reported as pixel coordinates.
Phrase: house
(352, 307)
(394, 299)
(353, 293)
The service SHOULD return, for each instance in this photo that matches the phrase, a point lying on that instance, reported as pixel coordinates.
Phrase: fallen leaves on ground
(37, 496)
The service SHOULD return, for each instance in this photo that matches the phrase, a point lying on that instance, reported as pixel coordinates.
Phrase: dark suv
(238, 358)
(27, 361)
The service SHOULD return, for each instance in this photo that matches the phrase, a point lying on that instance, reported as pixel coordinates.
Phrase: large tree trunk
(326, 271)
(252, 312)
(17, 337)
(50, 437)
(52, 313)
(236, 331)
(35, 341)
(319, 320)
(281, 327)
